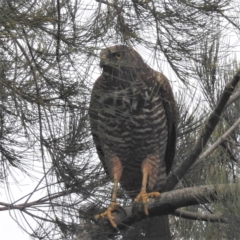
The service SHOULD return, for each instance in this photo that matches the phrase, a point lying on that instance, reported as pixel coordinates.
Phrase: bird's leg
(116, 172)
(143, 195)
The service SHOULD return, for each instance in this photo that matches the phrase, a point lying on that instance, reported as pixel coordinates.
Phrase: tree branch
(234, 97)
(167, 203)
(230, 153)
(200, 216)
(208, 128)
(44, 200)
(105, 2)
(220, 140)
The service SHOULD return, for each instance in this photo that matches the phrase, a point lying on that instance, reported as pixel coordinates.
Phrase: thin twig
(220, 140)
(234, 97)
(200, 216)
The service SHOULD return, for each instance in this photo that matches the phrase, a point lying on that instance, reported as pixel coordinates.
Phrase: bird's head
(119, 58)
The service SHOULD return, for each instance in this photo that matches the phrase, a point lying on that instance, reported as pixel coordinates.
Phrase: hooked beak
(104, 58)
(102, 63)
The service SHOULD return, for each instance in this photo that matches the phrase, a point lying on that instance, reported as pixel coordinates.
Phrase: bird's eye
(117, 55)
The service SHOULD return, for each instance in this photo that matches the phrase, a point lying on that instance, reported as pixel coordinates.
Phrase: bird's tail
(155, 228)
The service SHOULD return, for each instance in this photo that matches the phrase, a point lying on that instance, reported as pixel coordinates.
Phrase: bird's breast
(131, 123)
(134, 127)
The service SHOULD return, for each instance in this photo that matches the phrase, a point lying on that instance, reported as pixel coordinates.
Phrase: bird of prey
(133, 123)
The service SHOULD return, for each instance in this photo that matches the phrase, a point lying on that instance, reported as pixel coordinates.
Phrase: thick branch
(209, 127)
(167, 203)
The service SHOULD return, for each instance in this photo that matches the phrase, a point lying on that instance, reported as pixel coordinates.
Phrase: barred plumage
(132, 115)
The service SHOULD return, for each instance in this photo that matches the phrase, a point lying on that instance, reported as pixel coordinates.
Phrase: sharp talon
(108, 214)
(142, 197)
(97, 216)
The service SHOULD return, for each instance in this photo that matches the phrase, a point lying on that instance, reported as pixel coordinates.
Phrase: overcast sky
(9, 230)
(8, 227)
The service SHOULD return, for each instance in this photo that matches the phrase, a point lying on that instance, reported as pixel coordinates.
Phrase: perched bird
(133, 123)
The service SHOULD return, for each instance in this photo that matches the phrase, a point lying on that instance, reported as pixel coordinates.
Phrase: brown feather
(121, 98)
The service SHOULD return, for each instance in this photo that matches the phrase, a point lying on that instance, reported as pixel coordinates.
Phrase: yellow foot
(143, 196)
(108, 214)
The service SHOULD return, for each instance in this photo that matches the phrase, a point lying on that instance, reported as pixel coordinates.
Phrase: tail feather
(156, 228)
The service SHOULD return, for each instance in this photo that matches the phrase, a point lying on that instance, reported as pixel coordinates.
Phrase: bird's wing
(169, 104)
